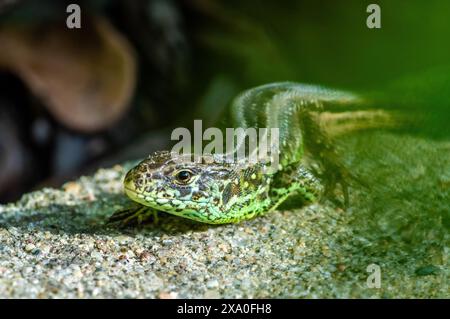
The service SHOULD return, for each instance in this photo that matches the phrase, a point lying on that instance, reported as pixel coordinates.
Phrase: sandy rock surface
(55, 243)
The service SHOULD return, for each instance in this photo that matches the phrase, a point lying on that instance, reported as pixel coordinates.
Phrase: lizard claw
(133, 216)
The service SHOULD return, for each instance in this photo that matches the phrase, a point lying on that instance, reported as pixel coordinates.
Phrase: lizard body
(215, 190)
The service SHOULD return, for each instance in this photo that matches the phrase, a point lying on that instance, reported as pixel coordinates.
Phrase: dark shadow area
(91, 218)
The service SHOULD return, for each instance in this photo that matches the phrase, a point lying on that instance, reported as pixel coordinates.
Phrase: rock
(214, 283)
(212, 294)
(29, 247)
(319, 251)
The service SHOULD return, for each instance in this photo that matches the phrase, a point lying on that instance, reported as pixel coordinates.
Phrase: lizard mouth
(130, 190)
(159, 201)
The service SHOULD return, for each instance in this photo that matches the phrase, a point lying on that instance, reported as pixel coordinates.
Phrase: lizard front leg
(295, 183)
(134, 216)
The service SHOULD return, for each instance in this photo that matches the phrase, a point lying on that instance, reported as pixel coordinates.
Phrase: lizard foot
(133, 216)
(329, 193)
(339, 175)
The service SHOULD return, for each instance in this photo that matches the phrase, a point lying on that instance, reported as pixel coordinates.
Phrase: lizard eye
(184, 176)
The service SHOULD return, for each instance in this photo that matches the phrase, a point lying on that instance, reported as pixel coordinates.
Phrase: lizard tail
(342, 123)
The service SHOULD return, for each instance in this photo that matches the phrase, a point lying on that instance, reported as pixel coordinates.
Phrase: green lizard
(215, 190)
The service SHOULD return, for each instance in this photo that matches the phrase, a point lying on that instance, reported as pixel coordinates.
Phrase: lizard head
(206, 190)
